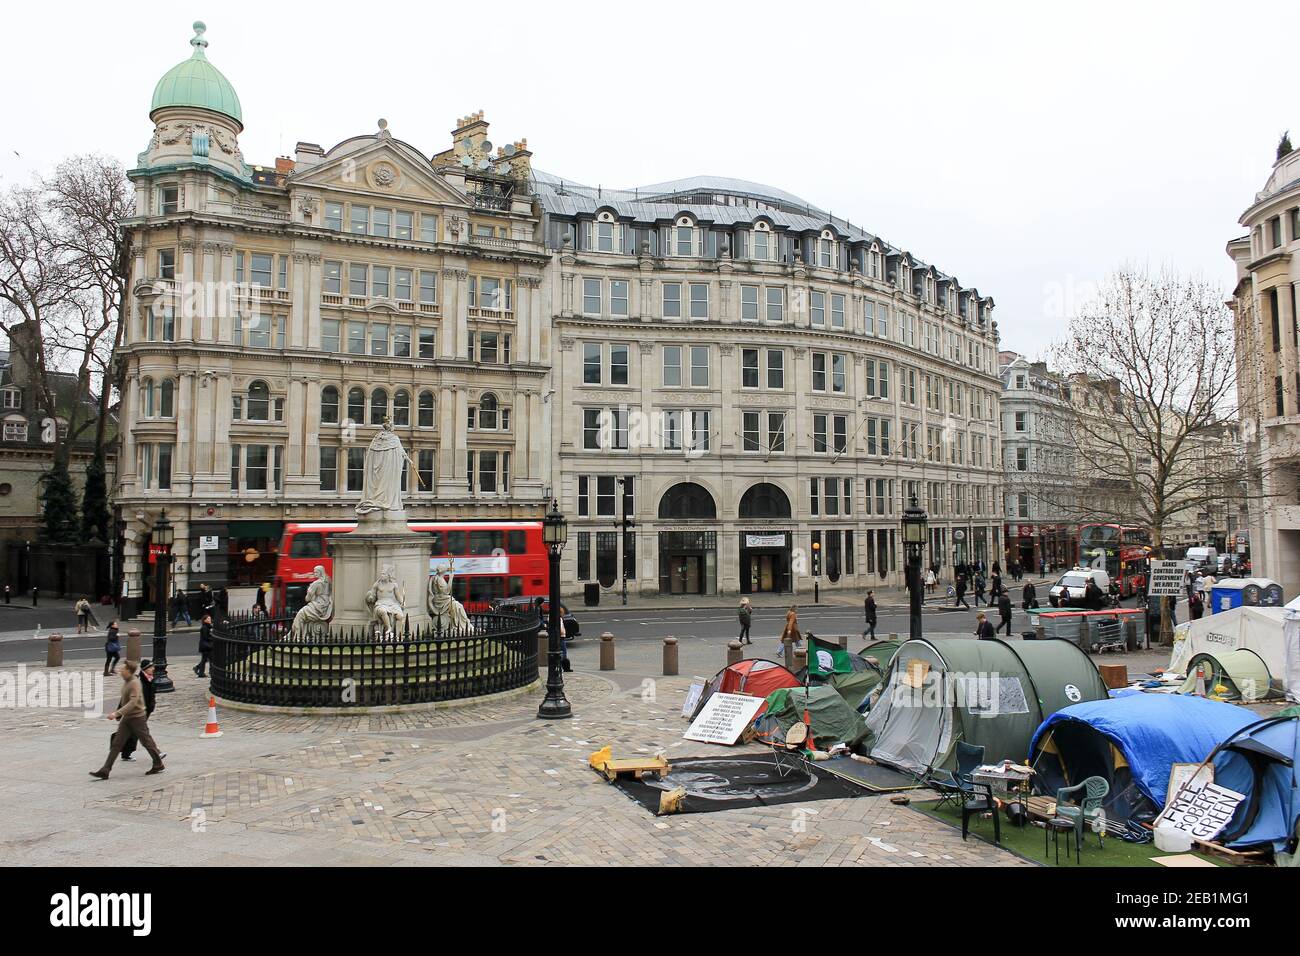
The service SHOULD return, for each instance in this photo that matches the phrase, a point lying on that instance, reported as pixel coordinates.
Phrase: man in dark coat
(869, 606)
(150, 699)
(1004, 610)
(961, 592)
(1029, 596)
(205, 646)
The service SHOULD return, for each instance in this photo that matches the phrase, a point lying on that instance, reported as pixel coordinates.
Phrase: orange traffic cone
(212, 729)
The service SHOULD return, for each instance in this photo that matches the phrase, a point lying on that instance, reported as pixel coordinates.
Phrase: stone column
(297, 331)
(186, 283)
(182, 458)
(1287, 329)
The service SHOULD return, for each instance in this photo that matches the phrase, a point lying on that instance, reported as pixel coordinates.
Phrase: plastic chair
(973, 803)
(1087, 810)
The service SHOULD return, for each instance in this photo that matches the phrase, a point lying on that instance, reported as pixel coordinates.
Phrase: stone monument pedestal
(358, 558)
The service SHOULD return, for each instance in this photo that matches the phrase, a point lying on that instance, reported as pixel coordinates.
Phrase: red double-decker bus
(1124, 553)
(492, 559)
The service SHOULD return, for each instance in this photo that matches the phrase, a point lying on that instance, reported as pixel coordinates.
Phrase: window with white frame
(699, 300)
(699, 355)
(592, 295)
(672, 300)
(672, 366)
(775, 304)
(762, 242)
(686, 238)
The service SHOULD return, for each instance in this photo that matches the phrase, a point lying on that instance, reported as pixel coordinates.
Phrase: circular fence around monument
(256, 661)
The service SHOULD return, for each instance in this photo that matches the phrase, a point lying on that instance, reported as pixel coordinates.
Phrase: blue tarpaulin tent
(1132, 742)
(1260, 761)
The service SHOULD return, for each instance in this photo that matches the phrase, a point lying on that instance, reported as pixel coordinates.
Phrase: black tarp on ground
(737, 781)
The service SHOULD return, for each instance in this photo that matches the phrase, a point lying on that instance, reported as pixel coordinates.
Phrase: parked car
(522, 604)
(1201, 558)
(1076, 579)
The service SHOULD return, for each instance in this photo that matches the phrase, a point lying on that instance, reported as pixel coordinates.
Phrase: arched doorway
(688, 557)
(765, 547)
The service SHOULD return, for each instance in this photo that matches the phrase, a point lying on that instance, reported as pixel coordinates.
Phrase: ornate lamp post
(555, 532)
(817, 572)
(915, 533)
(163, 537)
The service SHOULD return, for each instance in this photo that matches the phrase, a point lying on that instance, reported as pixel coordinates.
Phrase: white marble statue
(315, 614)
(381, 488)
(386, 600)
(448, 614)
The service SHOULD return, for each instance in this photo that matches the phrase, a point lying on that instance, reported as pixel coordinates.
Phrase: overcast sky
(1024, 148)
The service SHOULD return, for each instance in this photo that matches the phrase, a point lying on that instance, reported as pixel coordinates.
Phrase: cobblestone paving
(484, 784)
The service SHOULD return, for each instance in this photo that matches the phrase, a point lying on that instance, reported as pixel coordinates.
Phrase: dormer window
(762, 242)
(15, 428)
(685, 238)
(603, 234)
(827, 250)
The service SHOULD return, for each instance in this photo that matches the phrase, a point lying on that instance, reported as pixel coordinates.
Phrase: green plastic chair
(1086, 810)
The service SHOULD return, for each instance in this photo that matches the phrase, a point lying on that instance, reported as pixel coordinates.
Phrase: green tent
(1242, 673)
(831, 718)
(856, 686)
(882, 651)
(989, 693)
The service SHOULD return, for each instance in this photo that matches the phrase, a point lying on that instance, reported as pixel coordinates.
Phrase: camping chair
(955, 788)
(1088, 810)
(788, 751)
(973, 802)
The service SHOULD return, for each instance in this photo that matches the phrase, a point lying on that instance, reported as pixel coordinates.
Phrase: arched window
(401, 407)
(259, 402)
(487, 411)
(167, 398)
(356, 405)
(378, 406)
(687, 500)
(765, 501)
(147, 397)
(329, 405)
(426, 410)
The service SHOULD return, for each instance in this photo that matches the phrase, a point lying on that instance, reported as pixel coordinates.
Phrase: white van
(1076, 579)
(1202, 558)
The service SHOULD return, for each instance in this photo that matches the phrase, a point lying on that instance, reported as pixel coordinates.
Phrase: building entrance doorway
(684, 575)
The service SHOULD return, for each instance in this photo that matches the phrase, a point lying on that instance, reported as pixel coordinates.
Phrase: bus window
(516, 542)
(460, 588)
(516, 583)
(437, 545)
(306, 544)
(456, 542)
(484, 542)
(486, 587)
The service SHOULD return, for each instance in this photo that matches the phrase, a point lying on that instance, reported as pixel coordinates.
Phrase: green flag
(825, 659)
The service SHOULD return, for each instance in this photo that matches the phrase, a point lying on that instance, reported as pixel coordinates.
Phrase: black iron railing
(256, 660)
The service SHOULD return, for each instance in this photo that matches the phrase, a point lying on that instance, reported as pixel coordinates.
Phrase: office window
(699, 366)
(358, 280)
(699, 300)
(838, 372)
(749, 303)
(672, 300)
(776, 368)
(334, 216)
(260, 269)
(672, 429)
(402, 341)
(749, 368)
(256, 467)
(167, 263)
(841, 426)
(618, 365)
(819, 371)
(428, 288)
(360, 220)
(402, 285)
(428, 342)
(379, 339)
(332, 275)
(618, 297)
(356, 469)
(356, 405)
(378, 406)
(591, 428)
(329, 468)
(424, 469)
(329, 405)
(379, 277)
(428, 228)
(401, 407)
(819, 434)
(402, 225)
(425, 413)
(750, 436)
(591, 294)
(837, 311)
(700, 430)
(776, 431)
(817, 308)
(672, 365)
(591, 363)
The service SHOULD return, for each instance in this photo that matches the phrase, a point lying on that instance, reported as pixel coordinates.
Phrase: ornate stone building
(1266, 303)
(762, 388)
(279, 314)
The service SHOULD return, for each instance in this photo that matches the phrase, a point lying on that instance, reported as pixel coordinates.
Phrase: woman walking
(112, 649)
(791, 633)
(746, 619)
(83, 616)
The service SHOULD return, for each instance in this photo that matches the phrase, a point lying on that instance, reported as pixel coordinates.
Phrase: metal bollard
(607, 651)
(670, 656)
(735, 654)
(543, 647)
(34, 595)
(133, 646)
(1131, 634)
(800, 659)
(54, 651)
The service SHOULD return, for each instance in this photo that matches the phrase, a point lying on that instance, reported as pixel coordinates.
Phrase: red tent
(756, 678)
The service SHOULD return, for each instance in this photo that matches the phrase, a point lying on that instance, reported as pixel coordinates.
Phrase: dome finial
(199, 41)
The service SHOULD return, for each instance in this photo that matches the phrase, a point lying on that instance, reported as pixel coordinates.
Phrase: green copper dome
(196, 82)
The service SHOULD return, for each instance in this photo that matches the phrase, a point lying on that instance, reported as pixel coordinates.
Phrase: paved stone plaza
(482, 784)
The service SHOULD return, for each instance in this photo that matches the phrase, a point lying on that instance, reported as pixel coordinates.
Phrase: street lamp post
(163, 536)
(915, 532)
(555, 532)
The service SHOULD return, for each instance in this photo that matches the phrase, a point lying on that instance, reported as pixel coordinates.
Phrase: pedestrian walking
(1196, 605)
(930, 580)
(1004, 611)
(112, 649)
(979, 589)
(207, 602)
(997, 567)
(1042, 567)
(1029, 597)
(82, 608)
(132, 722)
(983, 629)
(205, 647)
(961, 592)
(869, 606)
(259, 599)
(180, 608)
(150, 698)
(790, 633)
(8, 593)
(746, 613)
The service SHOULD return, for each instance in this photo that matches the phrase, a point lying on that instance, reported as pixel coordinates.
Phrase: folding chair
(788, 752)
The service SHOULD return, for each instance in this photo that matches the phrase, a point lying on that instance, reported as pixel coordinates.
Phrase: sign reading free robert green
(1167, 578)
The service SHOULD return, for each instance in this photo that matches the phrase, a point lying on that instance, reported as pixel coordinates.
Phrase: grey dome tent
(988, 693)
